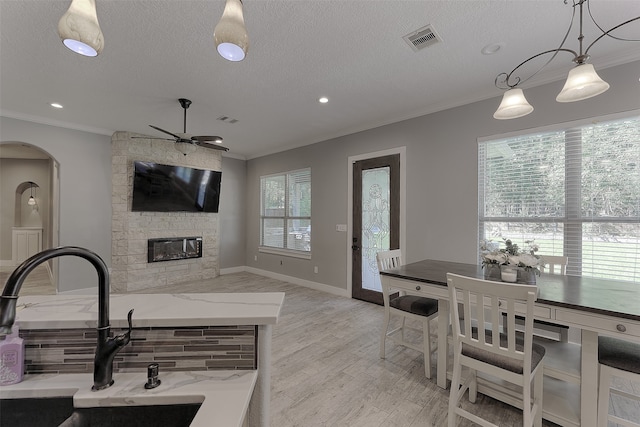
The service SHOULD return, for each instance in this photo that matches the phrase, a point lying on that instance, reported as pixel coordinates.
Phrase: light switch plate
(341, 227)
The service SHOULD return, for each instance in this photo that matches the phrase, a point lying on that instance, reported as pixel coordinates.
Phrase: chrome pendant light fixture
(79, 29)
(582, 83)
(230, 35)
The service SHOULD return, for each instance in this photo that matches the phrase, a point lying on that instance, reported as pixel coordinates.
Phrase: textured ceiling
(351, 51)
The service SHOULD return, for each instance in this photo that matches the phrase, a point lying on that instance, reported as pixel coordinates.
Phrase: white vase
(509, 273)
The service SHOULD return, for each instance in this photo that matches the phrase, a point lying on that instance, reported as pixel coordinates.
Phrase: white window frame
(286, 217)
(572, 220)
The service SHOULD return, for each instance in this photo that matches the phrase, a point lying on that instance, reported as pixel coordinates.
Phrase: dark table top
(609, 297)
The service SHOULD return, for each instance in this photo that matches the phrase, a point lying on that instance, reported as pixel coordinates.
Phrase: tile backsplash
(173, 348)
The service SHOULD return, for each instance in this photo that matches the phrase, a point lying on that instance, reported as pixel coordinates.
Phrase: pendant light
(31, 201)
(513, 105)
(582, 82)
(230, 35)
(79, 29)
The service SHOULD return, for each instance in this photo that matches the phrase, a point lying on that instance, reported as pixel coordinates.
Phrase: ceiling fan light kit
(186, 147)
(582, 82)
(79, 29)
(230, 35)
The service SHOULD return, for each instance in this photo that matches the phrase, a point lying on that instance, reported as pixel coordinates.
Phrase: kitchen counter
(78, 311)
(226, 395)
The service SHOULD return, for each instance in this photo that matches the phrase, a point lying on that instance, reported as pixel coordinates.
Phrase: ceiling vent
(422, 38)
(227, 119)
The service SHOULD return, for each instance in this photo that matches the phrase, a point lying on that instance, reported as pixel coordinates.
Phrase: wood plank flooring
(326, 370)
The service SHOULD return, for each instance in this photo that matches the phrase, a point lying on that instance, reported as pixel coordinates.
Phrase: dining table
(595, 306)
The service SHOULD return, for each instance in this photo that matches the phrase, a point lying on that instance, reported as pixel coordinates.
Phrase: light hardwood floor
(326, 369)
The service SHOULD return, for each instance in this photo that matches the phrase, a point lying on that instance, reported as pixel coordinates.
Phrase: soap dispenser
(11, 358)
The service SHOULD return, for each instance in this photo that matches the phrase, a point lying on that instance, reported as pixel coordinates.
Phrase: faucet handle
(125, 337)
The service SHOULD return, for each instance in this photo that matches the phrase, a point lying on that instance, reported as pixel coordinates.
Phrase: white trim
(301, 282)
(403, 200)
(285, 252)
(562, 126)
(232, 270)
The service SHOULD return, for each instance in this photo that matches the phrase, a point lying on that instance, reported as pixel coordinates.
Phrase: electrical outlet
(255, 257)
(315, 269)
(341, 227)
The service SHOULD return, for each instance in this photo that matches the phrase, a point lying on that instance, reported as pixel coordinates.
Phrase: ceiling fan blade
(214, 146)
(216, 139)
(165, 131)
(152, 137)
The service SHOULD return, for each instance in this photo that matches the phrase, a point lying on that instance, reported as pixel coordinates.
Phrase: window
(575, 190)
(285, 213)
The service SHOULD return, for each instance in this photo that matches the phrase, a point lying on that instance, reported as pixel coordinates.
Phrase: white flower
(529, 260)
(514, 259)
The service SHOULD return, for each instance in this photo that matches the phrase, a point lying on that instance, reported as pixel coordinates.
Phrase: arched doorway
(29, 217)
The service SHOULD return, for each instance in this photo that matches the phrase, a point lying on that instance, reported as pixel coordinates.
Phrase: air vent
(422, 38)
(227, 119)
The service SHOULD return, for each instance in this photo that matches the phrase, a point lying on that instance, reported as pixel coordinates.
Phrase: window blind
(575, 191)
(285, 219)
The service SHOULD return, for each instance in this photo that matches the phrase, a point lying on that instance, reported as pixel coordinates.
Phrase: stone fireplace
(132, 231)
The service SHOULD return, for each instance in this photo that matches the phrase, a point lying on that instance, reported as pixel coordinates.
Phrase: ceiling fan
(186, 143)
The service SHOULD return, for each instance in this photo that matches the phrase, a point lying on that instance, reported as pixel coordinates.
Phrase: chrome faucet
(107, 347)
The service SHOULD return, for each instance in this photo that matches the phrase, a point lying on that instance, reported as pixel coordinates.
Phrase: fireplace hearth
(174, 248)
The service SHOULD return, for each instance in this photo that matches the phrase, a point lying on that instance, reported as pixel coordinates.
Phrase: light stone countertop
(224, 395)
(162, 310)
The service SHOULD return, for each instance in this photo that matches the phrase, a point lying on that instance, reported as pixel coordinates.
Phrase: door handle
(355, 247)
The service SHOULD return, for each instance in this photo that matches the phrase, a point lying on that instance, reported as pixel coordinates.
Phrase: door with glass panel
(376, 221)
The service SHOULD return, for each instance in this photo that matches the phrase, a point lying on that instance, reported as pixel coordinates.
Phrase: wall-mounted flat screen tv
(166, 188)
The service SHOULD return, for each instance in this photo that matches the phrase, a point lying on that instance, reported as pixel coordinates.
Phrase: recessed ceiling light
(56, 105)
(490, 49)
(323, 100)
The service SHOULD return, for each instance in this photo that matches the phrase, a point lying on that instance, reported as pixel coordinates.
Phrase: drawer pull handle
(417, 288)
(621, 328)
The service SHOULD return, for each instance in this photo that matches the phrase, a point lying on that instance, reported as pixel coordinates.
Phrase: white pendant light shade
(31, 201)
(583, 82)
(230, 35)
(186, 147)
(79, 29)
(513, 105)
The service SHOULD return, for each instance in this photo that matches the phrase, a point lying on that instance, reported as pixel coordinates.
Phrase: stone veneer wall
(131, 230)
(203, 348)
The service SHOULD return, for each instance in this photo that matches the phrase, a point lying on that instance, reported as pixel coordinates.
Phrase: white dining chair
(417, 308)
(510, 357)
(621, 359)
(551, 265)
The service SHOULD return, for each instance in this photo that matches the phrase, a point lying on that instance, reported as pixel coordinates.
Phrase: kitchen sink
(54, 411)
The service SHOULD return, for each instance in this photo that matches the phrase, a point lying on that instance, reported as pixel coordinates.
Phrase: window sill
(285, 252)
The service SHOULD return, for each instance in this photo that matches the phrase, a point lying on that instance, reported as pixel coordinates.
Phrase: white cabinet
(27, 241)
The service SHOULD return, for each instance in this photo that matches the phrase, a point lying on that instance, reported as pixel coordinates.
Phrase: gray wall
(441, 166)
(233, 205)
(85, 191)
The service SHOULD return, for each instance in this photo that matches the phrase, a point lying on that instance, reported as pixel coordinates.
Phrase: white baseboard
(232, 270)
(289, 279)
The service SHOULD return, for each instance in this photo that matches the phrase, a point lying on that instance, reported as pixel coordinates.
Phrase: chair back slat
(389, 259)
(554, 264)
(476, 296)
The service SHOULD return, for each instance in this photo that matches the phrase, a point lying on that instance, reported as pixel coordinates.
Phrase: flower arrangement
(511, 254)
